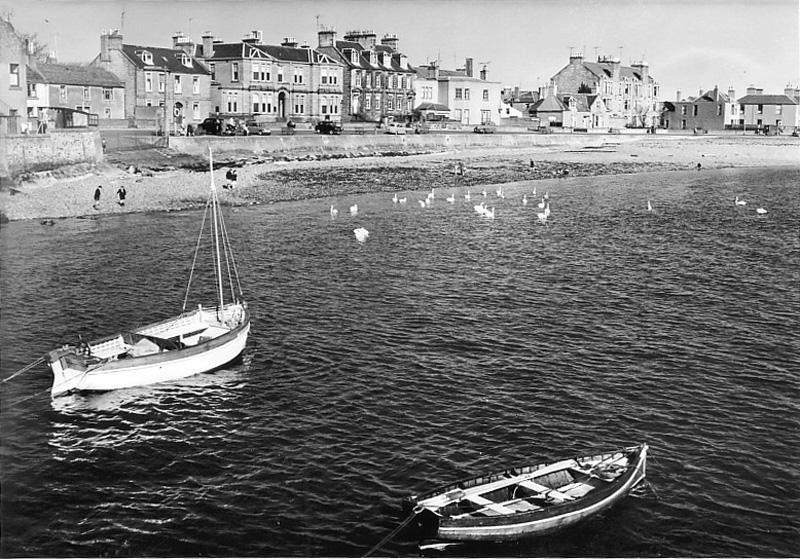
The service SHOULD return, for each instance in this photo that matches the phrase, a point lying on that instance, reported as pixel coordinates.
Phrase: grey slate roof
(342, 52)
(767, 100)
(163, 58)
(242, 50)
(601, 69)
(73, 74)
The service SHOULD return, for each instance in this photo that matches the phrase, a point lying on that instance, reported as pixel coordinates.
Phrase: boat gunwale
(613, 491)
(114, 366)
(521, 468)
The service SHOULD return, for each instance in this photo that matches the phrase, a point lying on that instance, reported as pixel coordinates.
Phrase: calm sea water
(444, 346)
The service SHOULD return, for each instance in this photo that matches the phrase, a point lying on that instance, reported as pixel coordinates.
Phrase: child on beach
(97, 192)
(121, 193)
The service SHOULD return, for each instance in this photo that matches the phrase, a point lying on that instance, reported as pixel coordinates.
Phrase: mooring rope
(392, 534)
(23, 370)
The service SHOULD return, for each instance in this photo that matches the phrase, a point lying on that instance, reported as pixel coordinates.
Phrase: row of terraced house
(355, 78)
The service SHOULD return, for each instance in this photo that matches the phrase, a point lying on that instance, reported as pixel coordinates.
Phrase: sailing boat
(195, 341)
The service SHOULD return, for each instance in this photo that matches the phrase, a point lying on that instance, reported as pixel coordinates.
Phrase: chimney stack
(326, 37)
(110, 40)
(208, 45)
(289, 42)
(469, 67)
(390, 40)
(732, 93)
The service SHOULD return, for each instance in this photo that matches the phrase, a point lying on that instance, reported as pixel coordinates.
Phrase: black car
(328, 127)
(214, 126)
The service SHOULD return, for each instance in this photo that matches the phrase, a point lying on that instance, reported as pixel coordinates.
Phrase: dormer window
(354, 56)
(147, 57)
(373, 58)
(186, 61)
(403, 61)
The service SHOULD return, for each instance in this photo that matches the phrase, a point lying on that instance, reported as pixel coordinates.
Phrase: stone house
(272, 83)
(629, 93)
(13, 79)
(378, 82)
(164, 87)
(570, 110)
(779, 112)
(710, 110)
(471, 100)
(89, 89)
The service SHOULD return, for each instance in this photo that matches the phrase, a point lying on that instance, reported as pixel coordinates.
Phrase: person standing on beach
(121, 193)
(97, 193)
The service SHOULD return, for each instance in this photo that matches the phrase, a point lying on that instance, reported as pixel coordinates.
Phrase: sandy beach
(295, 176)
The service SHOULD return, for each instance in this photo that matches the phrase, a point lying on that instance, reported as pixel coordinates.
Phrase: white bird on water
(468, 196)
(480, 208)
(452, 198)
(422, 203)
(354, 209)
(361, 234)
(488, 213)
(541, 204)
(534, 191)
(649, 207)
(334, 211)
(761, 211)
(403, 200)
(394, 199)
(739, 202)
(524, 199)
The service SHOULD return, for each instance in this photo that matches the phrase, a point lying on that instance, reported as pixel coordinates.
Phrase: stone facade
(272, 83)
(13, 79)
(378, 82)
(710, 110)
(158, 77)
(629, 93)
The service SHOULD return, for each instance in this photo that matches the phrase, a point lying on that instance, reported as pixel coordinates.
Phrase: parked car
(213, 126)
(328, 127)
(255, 128)
(486, 128)
(395, 128)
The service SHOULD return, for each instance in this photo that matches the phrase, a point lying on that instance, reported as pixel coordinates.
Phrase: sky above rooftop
(690, 45)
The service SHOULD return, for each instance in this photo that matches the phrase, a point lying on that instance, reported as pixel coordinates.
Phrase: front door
(282, 105)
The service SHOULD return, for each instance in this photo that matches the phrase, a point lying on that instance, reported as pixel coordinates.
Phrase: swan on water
(403, 200)
(761, 211)
(334, 211)
(361, 234)
(524, 199)
(468, 196)
(451, 198)
(394, 199)
(649, 207)
(354, 209)
(739, 202)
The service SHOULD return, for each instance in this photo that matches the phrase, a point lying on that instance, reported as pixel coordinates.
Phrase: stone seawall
(29, 153)
(198, 145)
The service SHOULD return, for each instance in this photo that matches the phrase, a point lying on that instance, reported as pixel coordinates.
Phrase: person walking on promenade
(97, 193)
(121, 193)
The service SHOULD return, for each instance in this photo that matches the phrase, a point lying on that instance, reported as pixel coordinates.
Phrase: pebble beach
(294, 176)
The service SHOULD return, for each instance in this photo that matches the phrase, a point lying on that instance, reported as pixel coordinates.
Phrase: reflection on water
(443, 346)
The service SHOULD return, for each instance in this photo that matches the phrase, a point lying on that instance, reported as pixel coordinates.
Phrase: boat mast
(214, 210)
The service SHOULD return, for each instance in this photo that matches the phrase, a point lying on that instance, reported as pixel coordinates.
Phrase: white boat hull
(74, 372)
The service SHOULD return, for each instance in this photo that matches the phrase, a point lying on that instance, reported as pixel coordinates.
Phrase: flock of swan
(482, 209)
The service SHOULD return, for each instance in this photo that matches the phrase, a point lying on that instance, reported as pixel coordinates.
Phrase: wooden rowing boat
(192, 342)
(530, 500)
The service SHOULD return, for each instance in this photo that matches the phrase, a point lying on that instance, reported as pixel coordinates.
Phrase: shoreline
(302, 175)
